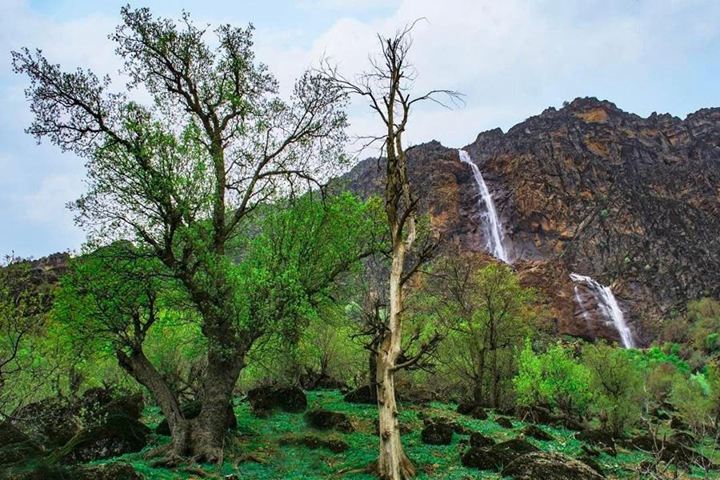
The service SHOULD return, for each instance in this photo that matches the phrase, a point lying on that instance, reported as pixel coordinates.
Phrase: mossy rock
(50, 422)
(15, 446)
(473, 410)
(263, 400)
(497, 456)
(504, 422)
(117, 436)
(363, 395)
(327, 420)
(437, 434)
(549, 466)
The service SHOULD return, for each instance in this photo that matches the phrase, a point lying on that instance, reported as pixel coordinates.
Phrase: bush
(553, 378)
(617, 386)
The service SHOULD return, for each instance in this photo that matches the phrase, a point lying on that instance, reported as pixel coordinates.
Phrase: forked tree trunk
(201, 438)
(393, 464)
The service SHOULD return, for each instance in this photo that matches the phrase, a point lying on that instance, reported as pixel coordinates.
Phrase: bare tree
(388, 88)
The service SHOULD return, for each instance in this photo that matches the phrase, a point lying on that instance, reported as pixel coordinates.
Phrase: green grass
(254, 451)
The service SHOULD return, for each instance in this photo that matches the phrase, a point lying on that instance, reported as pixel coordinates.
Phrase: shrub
(617, 386)
(553, 378)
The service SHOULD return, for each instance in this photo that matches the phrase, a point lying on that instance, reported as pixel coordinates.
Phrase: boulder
(362, 395)
(15, 446)
(671, 452)
(504, 422)
(264, 399)
(117, 436)
(437, 434)
(496, 456)
(478, 440)
(313, 442)
(537, 433)
(327, 420)
(549, 466)
(321, 381)
(51, 422)
(472, 410)
(592, 463)
(191, 410)
(597, 437)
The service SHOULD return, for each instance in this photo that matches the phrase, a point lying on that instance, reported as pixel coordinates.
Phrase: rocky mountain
(632, 202)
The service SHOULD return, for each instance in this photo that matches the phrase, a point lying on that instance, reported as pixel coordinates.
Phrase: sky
(511, 59)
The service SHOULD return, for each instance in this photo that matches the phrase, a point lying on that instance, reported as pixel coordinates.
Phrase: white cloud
(510, 58)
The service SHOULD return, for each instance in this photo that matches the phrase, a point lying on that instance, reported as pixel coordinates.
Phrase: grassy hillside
(258, 450)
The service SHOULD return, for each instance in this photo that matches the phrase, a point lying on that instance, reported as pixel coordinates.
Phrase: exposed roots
(407, 470)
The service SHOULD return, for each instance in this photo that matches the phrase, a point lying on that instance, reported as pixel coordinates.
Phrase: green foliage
(553, 378)
(292, 270)
(704, 317)
(616, 384)
(486, 314)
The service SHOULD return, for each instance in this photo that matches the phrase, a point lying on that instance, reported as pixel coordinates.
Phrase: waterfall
(491, 222)
(608, 306)
(581, 304)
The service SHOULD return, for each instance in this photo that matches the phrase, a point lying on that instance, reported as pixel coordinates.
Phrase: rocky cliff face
(633, 202)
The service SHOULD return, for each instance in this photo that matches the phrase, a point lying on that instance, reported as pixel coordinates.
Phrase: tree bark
(208, 434)
(393, 464)
(142, 370)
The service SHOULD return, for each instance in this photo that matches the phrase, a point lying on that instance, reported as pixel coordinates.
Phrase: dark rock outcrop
(117, 436)
(537, 433)
(504, 422)
(264, 399)
(362, 395)
(15, 446)
(633, 202)
(478, 440)
(472, 410)
(437, 433)
(326, 420)
(549, 466)
(51, 422)
(497, 456)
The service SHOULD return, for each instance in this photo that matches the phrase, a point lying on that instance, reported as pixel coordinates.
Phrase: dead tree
(387, 86)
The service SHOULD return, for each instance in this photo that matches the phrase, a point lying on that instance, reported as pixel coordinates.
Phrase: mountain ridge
(632, 201)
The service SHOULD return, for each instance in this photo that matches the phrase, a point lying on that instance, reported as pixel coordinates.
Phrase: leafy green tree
(181, 174)
(487, 314)
(132, 306)
(553, 379)
(25, 298)
(617, 386)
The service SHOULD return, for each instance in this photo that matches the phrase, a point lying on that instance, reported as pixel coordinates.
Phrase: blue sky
(511, 59)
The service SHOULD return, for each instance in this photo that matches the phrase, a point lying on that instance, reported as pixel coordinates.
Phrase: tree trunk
(372, 370)
(140, 368)
(393, 464)
(209, 428)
